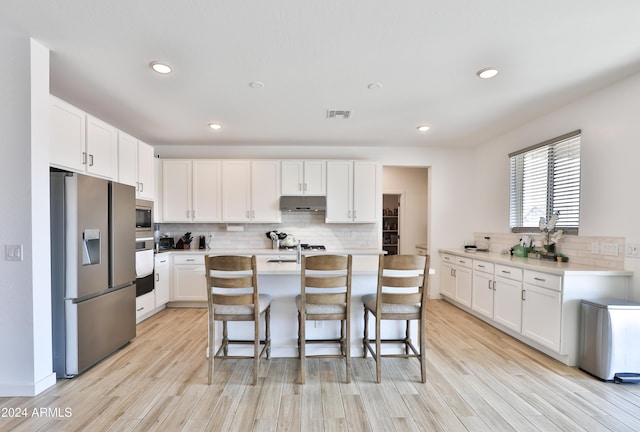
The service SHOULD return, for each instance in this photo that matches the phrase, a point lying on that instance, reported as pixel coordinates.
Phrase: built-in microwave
(144, 218)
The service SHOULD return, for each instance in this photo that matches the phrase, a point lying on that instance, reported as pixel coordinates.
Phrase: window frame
(517, 175)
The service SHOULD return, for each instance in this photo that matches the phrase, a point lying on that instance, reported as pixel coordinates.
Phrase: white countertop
(272, 252)
(552, 267)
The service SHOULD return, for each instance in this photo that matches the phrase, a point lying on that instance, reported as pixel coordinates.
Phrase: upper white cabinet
(191, 190)
(304, 177)
(127, 159)
(68, 136)
(146, 173)
(82, 143)
(251, 191)
(136, 165)
(85, 144)
(102, 148)
(352, 192)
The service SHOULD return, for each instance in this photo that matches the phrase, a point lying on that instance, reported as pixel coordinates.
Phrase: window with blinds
(545, 178)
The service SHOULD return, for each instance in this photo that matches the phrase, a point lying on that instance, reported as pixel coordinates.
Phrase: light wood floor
(479, 380)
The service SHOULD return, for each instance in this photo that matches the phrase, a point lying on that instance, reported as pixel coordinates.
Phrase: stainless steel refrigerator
(92, 270)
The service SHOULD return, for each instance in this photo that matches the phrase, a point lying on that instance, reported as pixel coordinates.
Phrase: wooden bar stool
(325, 294)
(232, 293)
(401, 295)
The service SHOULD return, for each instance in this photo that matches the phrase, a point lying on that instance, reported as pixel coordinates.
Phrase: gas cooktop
(304, 246)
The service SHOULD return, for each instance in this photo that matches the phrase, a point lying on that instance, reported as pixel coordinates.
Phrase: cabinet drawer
(543, 280)
(464, 262)
(448, 258)
(509, 272)
(188, 259)
(483, 266)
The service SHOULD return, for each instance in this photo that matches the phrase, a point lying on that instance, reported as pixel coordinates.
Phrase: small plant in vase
(551, 235)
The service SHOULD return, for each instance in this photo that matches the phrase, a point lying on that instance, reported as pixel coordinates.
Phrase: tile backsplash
(308, 227)
(579, 249)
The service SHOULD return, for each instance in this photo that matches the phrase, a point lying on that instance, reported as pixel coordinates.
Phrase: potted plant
(551, 236)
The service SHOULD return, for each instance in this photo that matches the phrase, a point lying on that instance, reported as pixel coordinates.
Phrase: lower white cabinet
(448, 276)
(144, 305)
(189, 283)
(542, 309)
(162, 285)
(464, 281)
(507, 306)
(482, 288)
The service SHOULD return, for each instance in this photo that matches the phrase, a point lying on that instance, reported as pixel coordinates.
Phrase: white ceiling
(318, 55)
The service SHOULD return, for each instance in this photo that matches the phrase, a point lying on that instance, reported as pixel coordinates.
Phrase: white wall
(25, 317)
(610, 205)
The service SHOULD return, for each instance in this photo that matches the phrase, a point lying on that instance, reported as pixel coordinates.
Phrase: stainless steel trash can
(609, 336)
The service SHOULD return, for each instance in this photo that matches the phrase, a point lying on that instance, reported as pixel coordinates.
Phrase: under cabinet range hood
(303, 203)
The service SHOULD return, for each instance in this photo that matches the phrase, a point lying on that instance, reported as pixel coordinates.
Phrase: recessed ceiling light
(256, 84)
(423, 128)
(374, 86)
(161, 68)
(487, 73)
(215, 126)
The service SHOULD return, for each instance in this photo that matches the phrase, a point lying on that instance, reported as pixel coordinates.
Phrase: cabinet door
(189, 283)
(176, 191)
(127, 159)
(146, 174)
(292, 177)
(541, 309)
(463, 285)
(508, 303)
(236, 191)
(447, 280)
(365, 197)
(315, 178)
(265, 191)
(482, 295)
(102, 148)
(339, 191)
(207, 191)
(162, 285)
(67, 135)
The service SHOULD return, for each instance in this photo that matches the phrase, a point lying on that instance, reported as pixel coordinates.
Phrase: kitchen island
(281, 280)
(533, 300)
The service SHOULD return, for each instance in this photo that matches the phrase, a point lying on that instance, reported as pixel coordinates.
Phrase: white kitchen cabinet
(304, 177)
(191, 190)
(68, 136)
(102, 148)
(352, 192)
(82, 143)
(189, 283)
(145, 304)
(482, 288)
(507, 297)
(207, 191)
(127, 159)
(162, 283)
(464, 281)
(145, 187)
(542, 308)
(176, 191)
(251, 191)
(447, 276)
(136, 166)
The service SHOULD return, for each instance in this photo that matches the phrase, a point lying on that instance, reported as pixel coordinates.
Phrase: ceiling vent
(338, 114)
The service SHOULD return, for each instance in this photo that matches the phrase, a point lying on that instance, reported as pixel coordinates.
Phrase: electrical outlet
(13, 252)
(609, 249)
(632, 250)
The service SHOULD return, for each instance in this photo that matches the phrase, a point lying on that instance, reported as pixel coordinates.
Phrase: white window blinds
(545, 178)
